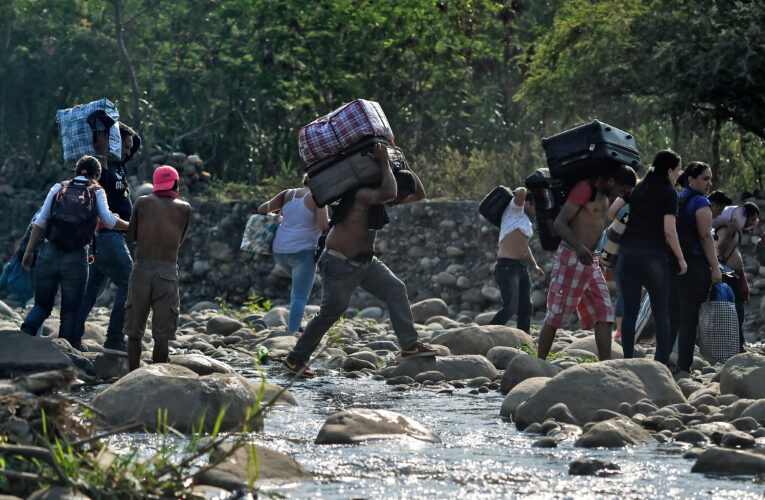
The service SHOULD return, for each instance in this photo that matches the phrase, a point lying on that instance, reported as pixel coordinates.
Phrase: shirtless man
(510, 270)
(576, 281)
(158, 226)
(349, 261)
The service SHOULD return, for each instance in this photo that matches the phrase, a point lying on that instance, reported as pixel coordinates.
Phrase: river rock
(94, 332)
(446, 279)
(743, 374)
(501, 356)
(351, 364)
(588, 344)
(428, 308)
(560, 413)
(20, 353)
(278, 316)
(185, 396)
(756, 411)
(591, 467)
(737, 439)
(7, 311)
(613, 433)
(589, 387)
(109, 366)
(204, 305)
(452, 367)
(223, 325)
(429, 377)
(201, 364)
(270, 391)
(728, 462)
(361, 424)
(373, 312)
(280, 346)
(232, 473)
(521, 393)
(523, 367)
(479, 339)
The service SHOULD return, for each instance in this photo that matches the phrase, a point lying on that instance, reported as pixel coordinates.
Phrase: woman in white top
(295, 243)
(63, 258)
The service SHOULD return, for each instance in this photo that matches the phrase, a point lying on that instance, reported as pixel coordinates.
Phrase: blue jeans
(112, 262)
(55, 267)
(513, 279)
(645, 266)
(303, 268)
(619, 304)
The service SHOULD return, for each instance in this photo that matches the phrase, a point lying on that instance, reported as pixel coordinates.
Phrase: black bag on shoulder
(494, 204)
(73, 216)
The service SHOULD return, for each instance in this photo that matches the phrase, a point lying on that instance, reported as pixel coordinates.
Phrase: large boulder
(425, 309)
(453, 367)
(743, 374)
(613, 433)
(479, 339)
(521, 393)
(524, 366)
(588, 344)
(20, 354)
(729, 462)
(186, 397)
(589, 387)
(200, 364)
(362, 424)
(232, 473)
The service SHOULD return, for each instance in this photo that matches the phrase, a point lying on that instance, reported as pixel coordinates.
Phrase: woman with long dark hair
(694, 229)
(643, 259)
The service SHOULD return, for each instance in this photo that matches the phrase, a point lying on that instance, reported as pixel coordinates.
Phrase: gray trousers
(338, 281)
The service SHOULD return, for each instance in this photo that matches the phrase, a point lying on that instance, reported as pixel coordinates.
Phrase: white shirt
(108, 218)
(731, 213)
(515, 218)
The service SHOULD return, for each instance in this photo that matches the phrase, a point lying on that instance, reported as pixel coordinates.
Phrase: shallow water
(480, 456)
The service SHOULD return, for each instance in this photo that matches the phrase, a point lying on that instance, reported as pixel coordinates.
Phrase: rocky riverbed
(483, 419)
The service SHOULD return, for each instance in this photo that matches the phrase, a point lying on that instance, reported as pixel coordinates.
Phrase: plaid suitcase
(76, 134)
(355, 167)
(585, 151)
(341, 129)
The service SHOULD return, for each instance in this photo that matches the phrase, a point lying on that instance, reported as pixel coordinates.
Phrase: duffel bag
(331, 134)
(77, 135)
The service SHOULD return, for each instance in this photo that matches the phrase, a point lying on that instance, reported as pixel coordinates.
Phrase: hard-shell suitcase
(331, 178)
(548, 195)
(494, 204)
(587, 150)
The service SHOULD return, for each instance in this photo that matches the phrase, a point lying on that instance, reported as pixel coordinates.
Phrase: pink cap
(164, 178)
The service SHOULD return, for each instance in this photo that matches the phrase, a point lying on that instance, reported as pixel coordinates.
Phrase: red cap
(164, 178)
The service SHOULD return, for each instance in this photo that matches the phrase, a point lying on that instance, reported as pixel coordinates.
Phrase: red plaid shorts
(574, 286)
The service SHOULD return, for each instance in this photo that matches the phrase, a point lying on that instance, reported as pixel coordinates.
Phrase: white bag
(259, 233)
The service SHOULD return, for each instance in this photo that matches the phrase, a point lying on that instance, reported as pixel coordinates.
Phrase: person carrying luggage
(576, 281)
(112, 261)
(729, 226)
(643, 259)
(294, 245)
(348, 261)
(513, 255)
(67, 219)
(689, 290)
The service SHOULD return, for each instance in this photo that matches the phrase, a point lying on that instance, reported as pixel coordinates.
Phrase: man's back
(158, 225)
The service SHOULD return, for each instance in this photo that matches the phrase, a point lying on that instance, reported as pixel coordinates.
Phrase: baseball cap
(164, 178)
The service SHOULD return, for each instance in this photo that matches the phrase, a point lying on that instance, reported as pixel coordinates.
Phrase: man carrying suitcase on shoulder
(576, 281)
(349, 261)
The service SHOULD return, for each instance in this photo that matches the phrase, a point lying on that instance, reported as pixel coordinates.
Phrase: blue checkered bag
(76, 134)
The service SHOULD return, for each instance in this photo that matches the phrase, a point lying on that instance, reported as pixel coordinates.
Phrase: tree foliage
(233, 80)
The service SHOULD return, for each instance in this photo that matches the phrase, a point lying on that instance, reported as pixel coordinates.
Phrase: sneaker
(298, 368)
(418, 350)
(114, 346)
(618, 335)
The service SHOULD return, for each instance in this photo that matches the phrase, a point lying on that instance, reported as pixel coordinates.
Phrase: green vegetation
(469, 87)
(253, 304)
(556, 355)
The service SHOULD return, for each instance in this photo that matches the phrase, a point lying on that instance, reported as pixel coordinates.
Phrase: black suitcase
(494, 204)
(548, 195)
(588, 150)
(355, 167)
